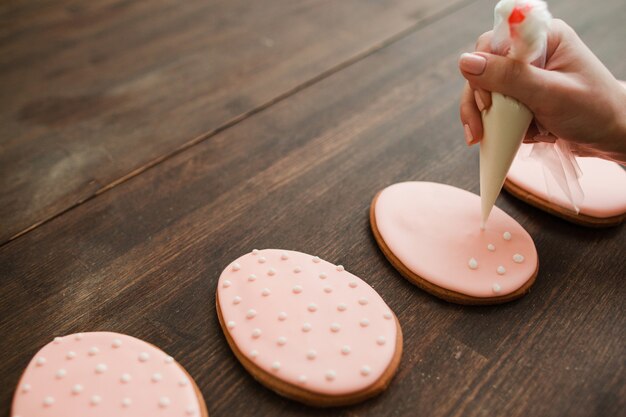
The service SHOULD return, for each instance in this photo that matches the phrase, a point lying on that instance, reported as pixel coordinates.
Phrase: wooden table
(144, 145)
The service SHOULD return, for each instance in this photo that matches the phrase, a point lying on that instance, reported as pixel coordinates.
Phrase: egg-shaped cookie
(431, 234)
(603, 186)
(103, 374)
(308, 329)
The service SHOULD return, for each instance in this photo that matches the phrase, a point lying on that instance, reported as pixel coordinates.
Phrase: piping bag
(520, 32)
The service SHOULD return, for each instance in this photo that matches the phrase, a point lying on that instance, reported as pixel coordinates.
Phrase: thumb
(507, 76)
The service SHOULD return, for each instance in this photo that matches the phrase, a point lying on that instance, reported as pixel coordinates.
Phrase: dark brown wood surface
(144, 256)
(96, 92)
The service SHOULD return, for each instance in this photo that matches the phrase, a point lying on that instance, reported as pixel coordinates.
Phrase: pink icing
(306, 321)
(603, 183)
(103, 374)
(434, 230)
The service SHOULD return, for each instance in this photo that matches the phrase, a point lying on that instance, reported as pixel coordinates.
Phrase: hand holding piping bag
(521, 26)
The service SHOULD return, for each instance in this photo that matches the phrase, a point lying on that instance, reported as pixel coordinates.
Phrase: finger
(483, 44)
(470, 117)
(507, 76)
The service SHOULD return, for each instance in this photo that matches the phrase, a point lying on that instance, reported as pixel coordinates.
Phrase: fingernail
(479, 101)
(473, 63)
(469, 138)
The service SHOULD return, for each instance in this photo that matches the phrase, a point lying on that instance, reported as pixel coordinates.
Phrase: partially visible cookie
(308, 329)
(103, 374)
(431, 234)
(603, 183)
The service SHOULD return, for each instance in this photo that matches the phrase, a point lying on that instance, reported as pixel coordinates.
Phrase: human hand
(575, 97)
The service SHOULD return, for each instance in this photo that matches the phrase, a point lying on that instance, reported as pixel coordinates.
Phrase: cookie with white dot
(103, 374)
(431, 234)
(311, 330)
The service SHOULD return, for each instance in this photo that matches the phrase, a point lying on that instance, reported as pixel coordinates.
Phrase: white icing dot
(57, 340)
(255, 251)
(302, 379)
(61, 373)
(183, 383)
(164, 402)
(251, 277)
(518, 259)
(77, 389)
(341, 307)
(353, 284)
(236, 300)
(340, 268)
(271, 272)
(297, 289)
(316, 259)
(284, 256)
(276, 365)
(95, 399)
(101, 368)
(116, 343)
(78, 336)
(262, 259)
(156, 377)
(345, 350)
(126, 402)
(226, 283)
(364, 322)
(282, 316)
(335, 327)
(266, 292)
(330, 375)
(168, 359)
(363, 301)
(190, 411)
(281, 341)
(297, 270)
(236, 267)
(311, 354)
(381, 340)
(323, 276)
(328, 290)
(365, 370)
(254, 354)
(93, 351)
(506, 236)
(48, 401)
(501, 270)
(496, 288)
(256, 333)
(40, 361)
(388, 315)
(70, 355)
(26, 388)
(125, 378)
(312, 307)
(306, 327)
(230, 324)
(473, 263)
(143, 357)
(491, 247)
(251, 314)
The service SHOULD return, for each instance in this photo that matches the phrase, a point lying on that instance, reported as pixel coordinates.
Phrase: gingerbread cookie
(603, 184)
(104, 374)
(308, 329)
(431, 233)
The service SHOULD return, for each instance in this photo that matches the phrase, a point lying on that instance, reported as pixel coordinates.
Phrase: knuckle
(483, 41)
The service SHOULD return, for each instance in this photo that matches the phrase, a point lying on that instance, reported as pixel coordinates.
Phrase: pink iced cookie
(308, 329)
(104, 374)
(431, 233)
(603, 184)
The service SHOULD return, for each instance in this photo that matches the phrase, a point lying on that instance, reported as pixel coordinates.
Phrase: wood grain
(92, 93)
(144, 257)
